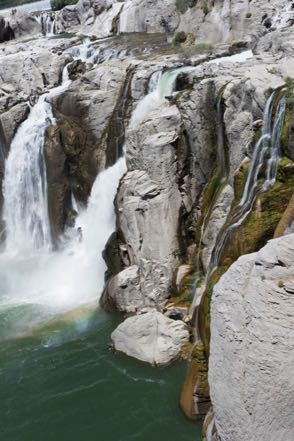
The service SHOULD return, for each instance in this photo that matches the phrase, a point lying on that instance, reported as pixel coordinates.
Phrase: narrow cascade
(82, 51)
(161, 85)
(50, 26)
(25, 210)
(266, 153)
(221, 149)
(46, 20)
(223, 166)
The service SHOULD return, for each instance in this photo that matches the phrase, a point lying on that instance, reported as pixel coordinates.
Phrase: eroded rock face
(149, 201)
(151, 337)
(109, 17)
(10, 120)
(149, 16)
(77, 146)
(252, 349)
(229, 20)
(216, 221)
(6, 32)
(27, 70)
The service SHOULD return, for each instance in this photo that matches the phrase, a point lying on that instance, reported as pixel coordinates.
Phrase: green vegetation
(59, 4)
(205, 9)
(187, 290)
(184, 5)
(180, 37)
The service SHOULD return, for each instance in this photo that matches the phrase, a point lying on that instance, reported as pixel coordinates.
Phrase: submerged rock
(151, 337)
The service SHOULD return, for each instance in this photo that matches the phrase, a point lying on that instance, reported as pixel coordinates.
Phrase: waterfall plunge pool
(62, 383)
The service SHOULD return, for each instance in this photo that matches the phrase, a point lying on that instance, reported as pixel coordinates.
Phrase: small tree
(56, 5)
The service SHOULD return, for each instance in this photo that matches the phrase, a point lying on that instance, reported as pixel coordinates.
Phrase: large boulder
(151, 337)
(252, 346)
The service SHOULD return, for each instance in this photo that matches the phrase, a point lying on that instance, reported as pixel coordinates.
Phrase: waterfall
(47, 23)
(223, 166)
(25, 210)
(35, 280)
(267, 145)
(38, 283)
(161, 85)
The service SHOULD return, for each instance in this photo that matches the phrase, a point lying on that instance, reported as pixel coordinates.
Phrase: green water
(62, 383)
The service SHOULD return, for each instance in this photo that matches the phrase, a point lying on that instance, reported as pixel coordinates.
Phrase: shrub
(205, 9)
(180, 37)
(184, 5)
(59, 4)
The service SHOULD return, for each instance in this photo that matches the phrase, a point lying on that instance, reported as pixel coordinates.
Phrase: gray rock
(151, 337)
(149, 201)
(123, 292)
(216, 221)
(252, 346)
(10, 120)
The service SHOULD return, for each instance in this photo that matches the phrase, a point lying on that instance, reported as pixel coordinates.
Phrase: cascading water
(161, 85)
(36, 282)
(268, 145)
(34, 278)
(223, 167)
(25, 211)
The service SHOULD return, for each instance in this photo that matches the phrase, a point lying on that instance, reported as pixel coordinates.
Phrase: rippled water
(64, 384)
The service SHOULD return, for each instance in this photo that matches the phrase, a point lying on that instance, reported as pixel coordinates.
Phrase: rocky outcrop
(149, 201)
(24, 24)
(6, 32)
(229, 20)
(77, 146)
(252, 324)
(27, 70)
(209, 21)
(10, 120)
(108, 17)
(151, 337)
(217, 220)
